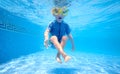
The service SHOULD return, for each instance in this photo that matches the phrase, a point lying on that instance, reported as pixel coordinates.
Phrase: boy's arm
(46, 36)
(72, 41)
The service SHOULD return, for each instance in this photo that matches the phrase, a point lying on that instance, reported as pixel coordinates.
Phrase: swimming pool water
(95, 28)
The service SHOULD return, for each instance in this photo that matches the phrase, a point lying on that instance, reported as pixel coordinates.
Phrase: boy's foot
(58, 60)
(67, 58)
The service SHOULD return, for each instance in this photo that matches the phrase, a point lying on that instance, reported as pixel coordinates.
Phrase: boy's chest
(58, 27)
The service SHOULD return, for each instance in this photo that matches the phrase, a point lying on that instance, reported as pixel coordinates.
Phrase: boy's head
(59, 13)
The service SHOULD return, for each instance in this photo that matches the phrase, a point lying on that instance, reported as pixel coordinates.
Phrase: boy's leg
(58, 46)
(58, 58)
(54, 40)
(63, 42)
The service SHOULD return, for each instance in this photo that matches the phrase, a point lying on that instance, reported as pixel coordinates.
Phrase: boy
(58, 30)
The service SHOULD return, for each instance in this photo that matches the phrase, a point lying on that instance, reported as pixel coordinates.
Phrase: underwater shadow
(63, 71)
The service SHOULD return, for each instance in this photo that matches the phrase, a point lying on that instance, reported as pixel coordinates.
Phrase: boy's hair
(59, 11)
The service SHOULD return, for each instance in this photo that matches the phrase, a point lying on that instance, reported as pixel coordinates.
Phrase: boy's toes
(58, 60)
(67, 58)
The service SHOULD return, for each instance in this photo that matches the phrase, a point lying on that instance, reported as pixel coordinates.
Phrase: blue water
(95, 28)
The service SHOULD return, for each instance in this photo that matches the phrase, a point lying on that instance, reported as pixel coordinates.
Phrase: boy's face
(59, 18)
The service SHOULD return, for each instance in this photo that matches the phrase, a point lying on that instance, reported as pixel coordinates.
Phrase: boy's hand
(46, 43)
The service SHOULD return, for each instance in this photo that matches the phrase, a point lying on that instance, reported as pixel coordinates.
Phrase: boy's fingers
(46, 44)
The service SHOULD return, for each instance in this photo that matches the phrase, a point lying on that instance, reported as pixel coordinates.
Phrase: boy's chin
(59, 21)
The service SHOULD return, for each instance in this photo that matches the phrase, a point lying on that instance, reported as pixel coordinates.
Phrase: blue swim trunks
(59, 29)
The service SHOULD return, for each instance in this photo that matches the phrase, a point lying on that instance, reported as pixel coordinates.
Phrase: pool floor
(44, 63)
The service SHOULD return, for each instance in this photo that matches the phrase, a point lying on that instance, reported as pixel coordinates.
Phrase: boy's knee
(53, 38)
(64, 38)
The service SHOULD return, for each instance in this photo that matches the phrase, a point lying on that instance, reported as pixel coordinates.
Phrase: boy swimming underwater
(59, 31)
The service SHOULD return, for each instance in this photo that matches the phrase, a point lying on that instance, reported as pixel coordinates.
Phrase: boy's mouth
(59, 17)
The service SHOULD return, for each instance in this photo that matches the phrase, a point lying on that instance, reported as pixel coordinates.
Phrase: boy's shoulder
(64, 23)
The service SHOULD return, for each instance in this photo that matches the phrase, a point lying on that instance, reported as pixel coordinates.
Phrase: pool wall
(18, 36)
